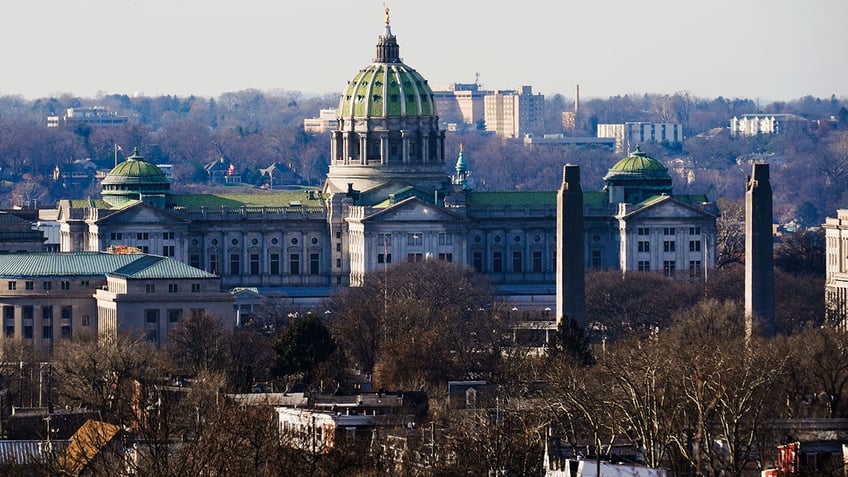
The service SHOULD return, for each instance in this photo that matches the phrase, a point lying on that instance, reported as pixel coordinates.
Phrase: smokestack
(577, 100)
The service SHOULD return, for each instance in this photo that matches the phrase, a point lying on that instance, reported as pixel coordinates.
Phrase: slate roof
(76, 264)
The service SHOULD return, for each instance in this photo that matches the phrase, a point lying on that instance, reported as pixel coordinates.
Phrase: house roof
(86, 443)
(23, 452)
(76, 264)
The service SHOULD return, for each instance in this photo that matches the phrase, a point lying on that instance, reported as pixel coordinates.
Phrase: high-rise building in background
(512, 114)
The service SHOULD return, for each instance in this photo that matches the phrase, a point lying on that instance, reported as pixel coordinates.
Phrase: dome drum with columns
(388, 127)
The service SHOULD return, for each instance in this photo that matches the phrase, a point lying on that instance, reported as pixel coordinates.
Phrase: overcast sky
(758, 49)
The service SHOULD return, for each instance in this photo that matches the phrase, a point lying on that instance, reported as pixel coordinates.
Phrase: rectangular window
(668, 246)
(142, 236)
(173, 288)
(644, 246)
(643, 231)
(65, 285)
(274, 263)
(477, 260)
(86, 320)
(414, 257)
(67, 313)
(314, 264)
(694, 230)
(338, 235)
(446, 257)
(47, 322)
(66, 331)
(214, 265)
(254, 264)
(694, 268)
(387, 258)
(445, 239)
(294, 264)
(150, 288)
(668, 231)
(13, 285)
(413, 240)
(339, 262)
(168, 236)
(28, 332)
(537, 261)
(151, 317)
(195, 288)
(668, 268)
(167, 250)
(517, 264)
(384, 240)
(9, 320)
(84, 283)
(116, 236)
(235, 264)
(174, 316)
(194, 260)
(145, 249)
(47, 285)
(644, 265)
(596, 259)
(694, 245)
(497, 262)
(27, 313)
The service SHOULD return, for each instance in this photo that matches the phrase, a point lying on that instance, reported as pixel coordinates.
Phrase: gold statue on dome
(386, 8)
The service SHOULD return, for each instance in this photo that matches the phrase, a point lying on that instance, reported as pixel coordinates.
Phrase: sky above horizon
(764, 50)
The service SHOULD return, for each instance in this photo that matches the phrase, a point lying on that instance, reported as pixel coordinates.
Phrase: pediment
(141, 213)
(669, 207)
(413, 209)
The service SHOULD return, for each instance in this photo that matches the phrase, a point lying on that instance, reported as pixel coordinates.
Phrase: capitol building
(391, 195)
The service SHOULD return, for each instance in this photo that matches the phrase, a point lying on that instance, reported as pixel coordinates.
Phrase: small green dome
(136, 179)
(387, 87)
(135, 170)
(638, 165)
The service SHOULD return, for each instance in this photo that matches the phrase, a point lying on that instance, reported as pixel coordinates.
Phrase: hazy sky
(758, 49)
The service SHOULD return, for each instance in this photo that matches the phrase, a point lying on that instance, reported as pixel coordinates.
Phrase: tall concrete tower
(570, 285)
(759, 261)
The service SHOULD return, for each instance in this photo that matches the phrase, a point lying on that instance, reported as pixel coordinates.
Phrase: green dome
(135, 170)
(638, 165)
(136, 179)
(382, 90)
(387, 87)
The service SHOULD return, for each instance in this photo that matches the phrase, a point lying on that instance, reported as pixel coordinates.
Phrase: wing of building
(46, 297)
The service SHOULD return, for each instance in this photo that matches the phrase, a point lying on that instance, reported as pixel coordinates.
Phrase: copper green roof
(273, 199)
(88, 264)
(511, 198)
(475, 198)
(382, 90)
(638, 165)
(387, 87)
(135, 170)
(88, 203)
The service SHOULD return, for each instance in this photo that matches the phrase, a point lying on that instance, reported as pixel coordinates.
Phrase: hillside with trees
(253, 129)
